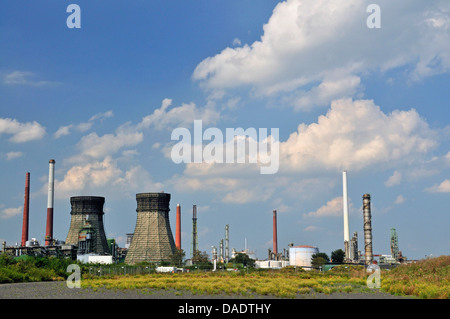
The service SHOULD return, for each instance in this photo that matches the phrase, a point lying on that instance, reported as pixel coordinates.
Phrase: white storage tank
(301, 255)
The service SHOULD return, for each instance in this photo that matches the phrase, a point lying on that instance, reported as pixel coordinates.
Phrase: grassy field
(425, 279)
(277, 284)
(428, 278)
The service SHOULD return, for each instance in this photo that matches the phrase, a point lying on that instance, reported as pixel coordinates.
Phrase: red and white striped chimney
(51, 180)
(26, 210)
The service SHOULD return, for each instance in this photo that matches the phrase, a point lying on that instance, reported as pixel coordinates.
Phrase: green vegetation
(318, 260)
(427, 278)
(282, 284)
(26, 269)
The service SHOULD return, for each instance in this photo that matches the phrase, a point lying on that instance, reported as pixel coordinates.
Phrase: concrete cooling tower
(86, 225)
(152, 240)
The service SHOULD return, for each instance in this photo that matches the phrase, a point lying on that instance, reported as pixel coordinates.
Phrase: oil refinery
(153, 241)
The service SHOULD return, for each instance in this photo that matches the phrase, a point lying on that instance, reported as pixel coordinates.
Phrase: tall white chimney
(345, 204)
(50, 200)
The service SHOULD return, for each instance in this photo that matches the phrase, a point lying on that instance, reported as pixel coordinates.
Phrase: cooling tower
(87, 212)
(152, 240)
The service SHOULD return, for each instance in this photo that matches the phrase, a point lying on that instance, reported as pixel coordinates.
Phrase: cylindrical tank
(301, 255)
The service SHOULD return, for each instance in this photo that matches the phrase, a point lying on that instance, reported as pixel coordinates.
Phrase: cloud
(395, 179)
(333, 207)
(24, 78)
(101, 116)
(11, 212)
(248, 195)
(13, 155)
(307, 42)
(21, 132)
(183, 115)
(105, 177)
(443, 187)
(354, 135)
(98, 147)
(400, 199)
(325, 92)
(62, 131)
(311, 228)
(65, 130)
(82, 127)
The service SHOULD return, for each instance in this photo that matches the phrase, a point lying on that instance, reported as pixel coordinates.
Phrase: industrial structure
(152, 239)
(345, 209)
(50, 202)
(227, 243)
(275, 235)
(301, 255)
(194, 231)
(353, 249)
(367, 230)
(26, 210)
(178, 228)
(86, 229)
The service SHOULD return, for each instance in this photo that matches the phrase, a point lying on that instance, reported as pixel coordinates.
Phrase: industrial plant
(152, 240)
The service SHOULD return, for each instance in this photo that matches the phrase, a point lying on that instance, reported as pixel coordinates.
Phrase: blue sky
(102, 100)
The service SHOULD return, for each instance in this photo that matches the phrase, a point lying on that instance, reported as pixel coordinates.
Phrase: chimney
(178, 228)
(275, 244)
(26, 210)
(227, 244)
(49, 227)
(367, 229)
(345, 206)
(194, 230)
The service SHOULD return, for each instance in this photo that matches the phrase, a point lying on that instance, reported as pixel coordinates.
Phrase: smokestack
(26, 210)
(275, 244)
(51, 180)
(345, 205)
(227, 241)
(194, 230)
(178, 228)
(367, 229)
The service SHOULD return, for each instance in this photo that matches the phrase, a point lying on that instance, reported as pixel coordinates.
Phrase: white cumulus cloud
(319, 49)
(354, 135)
(443, 187)
(21, 132)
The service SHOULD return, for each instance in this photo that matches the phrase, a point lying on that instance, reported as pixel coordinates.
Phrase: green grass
(425, 279)
(276, 284)
(428, 279)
